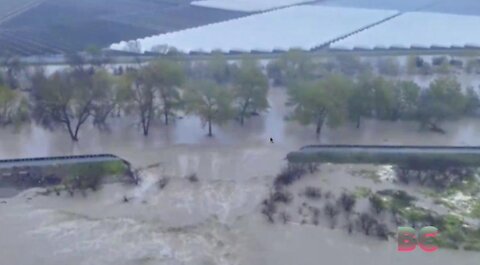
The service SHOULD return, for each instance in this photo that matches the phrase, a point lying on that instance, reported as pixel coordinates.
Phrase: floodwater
(214, 221)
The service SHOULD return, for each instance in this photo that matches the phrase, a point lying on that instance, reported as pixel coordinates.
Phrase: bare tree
(366, 223)
(347, 201)
(331, 211)
(382, 231)
(313, 193)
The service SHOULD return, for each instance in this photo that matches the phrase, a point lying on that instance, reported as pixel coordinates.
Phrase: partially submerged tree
(218, 69)
(142, 98)
(443, 100)
(291, 67)
(13, 69)
(388, 66)
(384, 99)
(165, 76)
(250, 90)
(64, 99)
(320, 102)
(351, 65)
(406, 95)
(13, 107)
(443, 67)
(107, 99)
(361, 100)
(473, 102)
(274, 72)
(417, 65)
(210, 101)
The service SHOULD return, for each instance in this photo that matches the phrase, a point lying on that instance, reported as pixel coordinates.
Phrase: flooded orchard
(215, 220)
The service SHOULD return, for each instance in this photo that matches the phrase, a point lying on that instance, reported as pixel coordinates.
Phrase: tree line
(68, 99)
(333, 92)
(321, 93)
(336, 99)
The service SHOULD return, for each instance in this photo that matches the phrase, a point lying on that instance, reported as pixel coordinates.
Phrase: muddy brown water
(214, 221)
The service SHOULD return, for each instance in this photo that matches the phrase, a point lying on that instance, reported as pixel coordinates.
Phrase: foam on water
(184, 223)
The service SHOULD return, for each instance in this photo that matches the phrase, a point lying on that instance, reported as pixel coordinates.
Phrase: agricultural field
(417, 29)
(10, 7)
(460, 7)
(57, 26)
(305, 26)
(247, 5)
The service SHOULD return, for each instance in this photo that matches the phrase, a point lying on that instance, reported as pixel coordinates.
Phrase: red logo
(407, 240)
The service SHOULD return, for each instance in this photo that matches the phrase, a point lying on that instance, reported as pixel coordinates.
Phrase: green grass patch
(369, 174)
(472, 243)
(470, 187)
(443, 242)
(374, 177)
(414, 214)
(430, 193)
(476, 210)
(362, 192)
(447, 204)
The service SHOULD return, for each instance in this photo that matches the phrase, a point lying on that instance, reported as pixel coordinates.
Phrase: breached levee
(408, 156)
(80, 171)
(182, 222)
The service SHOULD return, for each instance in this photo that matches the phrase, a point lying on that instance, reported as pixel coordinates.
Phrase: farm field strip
(305, 26)
(31, 44)
(417, 29)
(28, 45)
(75, 25)
(247, 5)
(173, 19)
(10, 9)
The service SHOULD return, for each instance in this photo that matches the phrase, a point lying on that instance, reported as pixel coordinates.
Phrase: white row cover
(304, 27)
(417, 29)
(247, 5)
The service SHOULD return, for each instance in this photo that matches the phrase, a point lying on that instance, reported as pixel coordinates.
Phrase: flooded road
(214, 221)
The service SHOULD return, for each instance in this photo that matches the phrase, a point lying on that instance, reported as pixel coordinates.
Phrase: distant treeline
(321, 92)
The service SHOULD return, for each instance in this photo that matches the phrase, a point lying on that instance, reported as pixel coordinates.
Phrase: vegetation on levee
(386, 210)
(328, 92)
(84, 176)
(454, 231)
(439, 178)
(411, 161)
